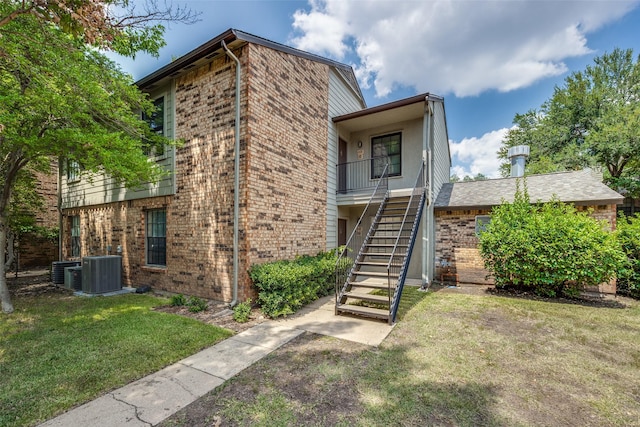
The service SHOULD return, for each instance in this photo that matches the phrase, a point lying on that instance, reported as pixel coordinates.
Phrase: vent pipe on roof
(518, 156)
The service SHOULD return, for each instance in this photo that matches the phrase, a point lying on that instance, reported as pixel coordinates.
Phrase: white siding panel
(442, 167)
(342, 100)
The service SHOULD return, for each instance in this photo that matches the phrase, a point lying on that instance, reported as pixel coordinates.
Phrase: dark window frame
(156, 122)
(386, 149)
(481, 223)
(156, 237)
(74, 227)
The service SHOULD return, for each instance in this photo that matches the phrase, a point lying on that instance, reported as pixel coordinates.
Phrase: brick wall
(282, 178)
(457, 243)
(34, 250)
(287, 174)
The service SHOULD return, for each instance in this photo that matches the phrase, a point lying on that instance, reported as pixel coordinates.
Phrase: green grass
(454, 360)
(58, 351)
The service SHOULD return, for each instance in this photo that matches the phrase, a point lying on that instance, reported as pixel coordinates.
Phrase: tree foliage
(549, 248)
(61, 98)
(124, 26)
(593, 120)
(628, 235)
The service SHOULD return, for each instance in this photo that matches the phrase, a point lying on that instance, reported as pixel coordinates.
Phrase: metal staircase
(370, 283)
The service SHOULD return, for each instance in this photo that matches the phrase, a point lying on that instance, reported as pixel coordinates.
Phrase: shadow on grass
(526, 294)
(316, 380)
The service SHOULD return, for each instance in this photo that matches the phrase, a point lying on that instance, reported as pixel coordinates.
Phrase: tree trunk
(5, 298)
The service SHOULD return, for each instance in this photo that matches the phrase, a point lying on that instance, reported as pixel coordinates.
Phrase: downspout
(236, 178)
(426, 158)
(60, 222)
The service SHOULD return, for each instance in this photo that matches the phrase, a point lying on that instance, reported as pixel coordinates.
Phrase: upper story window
(156, 123)
(386, 149)
(73, 171)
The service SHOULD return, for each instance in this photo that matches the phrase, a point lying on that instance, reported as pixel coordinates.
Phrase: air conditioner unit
(73, 278)
(101, 274)
(57, 270)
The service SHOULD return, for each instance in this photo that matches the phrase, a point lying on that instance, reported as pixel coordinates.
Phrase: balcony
(360, 177)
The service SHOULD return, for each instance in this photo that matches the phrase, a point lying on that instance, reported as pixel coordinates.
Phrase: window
(156, 237)
(481, 223)
(386, 149)
(156, 123)
(73, 171)
(75, 235)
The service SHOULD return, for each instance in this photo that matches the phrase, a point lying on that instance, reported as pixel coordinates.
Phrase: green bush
(242, 311)
(286, 286)
(628, 234)
(197, 305)
(178, 300)
(549, 248)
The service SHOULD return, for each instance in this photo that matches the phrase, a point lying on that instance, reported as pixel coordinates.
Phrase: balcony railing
(361, 175)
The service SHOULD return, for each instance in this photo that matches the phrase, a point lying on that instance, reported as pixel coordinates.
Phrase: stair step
(369, 284)
(385, 245)
(379, 264)
(363, 311)
(375, 274)
(378, 299)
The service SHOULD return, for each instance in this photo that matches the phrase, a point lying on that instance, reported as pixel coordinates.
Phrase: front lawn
(452, 360)
(58, 351)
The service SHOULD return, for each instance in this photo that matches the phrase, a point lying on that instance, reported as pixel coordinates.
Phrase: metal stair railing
(346, 263)
(399, 268)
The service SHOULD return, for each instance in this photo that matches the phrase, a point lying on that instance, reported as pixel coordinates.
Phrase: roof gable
(235, 38)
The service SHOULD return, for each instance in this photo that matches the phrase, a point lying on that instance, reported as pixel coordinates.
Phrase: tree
(467, 178)
(593, 120)
(61, 98)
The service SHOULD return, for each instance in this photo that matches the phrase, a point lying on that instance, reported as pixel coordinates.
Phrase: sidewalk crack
(135, 409)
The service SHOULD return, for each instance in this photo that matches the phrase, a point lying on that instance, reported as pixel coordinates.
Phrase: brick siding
(457, 243)
(284, 133)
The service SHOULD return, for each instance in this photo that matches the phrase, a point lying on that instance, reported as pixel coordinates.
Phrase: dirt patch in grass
(218, 314)
(307, 382)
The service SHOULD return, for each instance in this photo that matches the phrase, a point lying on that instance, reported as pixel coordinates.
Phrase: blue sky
(488, 59)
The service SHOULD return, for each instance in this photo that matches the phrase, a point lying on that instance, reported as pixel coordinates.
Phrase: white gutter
(236, 182)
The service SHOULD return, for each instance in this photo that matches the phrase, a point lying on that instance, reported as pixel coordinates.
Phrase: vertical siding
(342, 100)
(102, 189)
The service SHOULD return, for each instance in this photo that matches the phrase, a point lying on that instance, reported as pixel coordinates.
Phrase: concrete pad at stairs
(320, 318)
(103, 412)
(163, 393)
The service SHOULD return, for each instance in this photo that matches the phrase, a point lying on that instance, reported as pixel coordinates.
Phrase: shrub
(549, 248)
(197, 305)
(286, 286)
(242, 311)
(628, 235)
(178, 300)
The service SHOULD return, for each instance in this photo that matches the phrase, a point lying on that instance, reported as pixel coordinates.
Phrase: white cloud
(472, 156)
(452, 46)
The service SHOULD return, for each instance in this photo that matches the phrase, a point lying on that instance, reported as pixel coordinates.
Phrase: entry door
(342, 232)
(342, 166)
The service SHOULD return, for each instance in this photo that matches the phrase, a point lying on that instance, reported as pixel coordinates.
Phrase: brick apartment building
(177, 235)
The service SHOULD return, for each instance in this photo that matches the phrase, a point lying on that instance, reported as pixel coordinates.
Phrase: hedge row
(286, 286)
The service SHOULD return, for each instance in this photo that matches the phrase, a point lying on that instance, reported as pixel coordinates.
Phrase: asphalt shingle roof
(583, 187)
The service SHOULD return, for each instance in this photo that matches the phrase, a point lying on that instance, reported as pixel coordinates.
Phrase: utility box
(101, 274)
(73, 278)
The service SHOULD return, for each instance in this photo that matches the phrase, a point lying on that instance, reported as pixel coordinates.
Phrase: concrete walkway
(152, 399)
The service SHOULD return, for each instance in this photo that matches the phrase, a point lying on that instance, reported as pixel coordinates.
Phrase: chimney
(518, 156)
